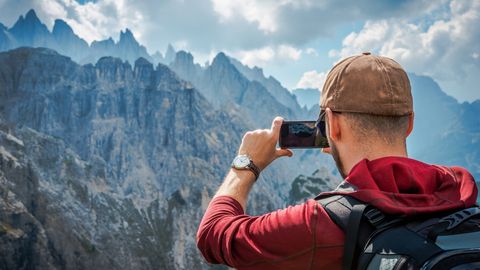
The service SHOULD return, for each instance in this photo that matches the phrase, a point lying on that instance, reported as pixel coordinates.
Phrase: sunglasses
(320, 124)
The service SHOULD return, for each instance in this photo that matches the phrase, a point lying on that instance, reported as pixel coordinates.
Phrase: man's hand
(261, 145)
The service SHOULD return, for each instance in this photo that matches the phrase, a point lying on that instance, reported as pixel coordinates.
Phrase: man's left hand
(261, 145)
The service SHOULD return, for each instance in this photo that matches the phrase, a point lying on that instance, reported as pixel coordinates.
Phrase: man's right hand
(260, 145)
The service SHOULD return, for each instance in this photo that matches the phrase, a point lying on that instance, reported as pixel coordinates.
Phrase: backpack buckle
(374, 216)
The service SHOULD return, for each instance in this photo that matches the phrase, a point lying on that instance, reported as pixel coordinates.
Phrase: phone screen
(302, 134)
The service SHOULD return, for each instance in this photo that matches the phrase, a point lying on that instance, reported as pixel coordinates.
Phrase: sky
(296, 41)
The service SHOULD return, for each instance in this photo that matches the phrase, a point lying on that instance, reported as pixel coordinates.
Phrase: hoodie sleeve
(226, 235)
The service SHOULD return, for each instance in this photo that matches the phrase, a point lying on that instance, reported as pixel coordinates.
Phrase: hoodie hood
(404, 186)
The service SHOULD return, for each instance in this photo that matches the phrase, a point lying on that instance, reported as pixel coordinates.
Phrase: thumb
(327, 150)
(283, 153)
(276, 126)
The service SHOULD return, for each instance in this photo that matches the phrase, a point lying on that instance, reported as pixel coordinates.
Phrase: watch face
(241, 161)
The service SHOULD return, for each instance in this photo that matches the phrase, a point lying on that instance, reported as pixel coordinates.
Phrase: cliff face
(60, 212)
(112, 165)
(108, 166)
(225, 87)
(273, 86)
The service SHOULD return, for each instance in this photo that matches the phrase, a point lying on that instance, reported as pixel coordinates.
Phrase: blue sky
(296, 41)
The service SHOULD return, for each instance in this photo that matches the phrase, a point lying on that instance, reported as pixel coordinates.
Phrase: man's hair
(390, 129)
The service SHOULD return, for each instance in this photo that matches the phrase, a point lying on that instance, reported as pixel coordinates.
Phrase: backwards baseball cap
(368, 84)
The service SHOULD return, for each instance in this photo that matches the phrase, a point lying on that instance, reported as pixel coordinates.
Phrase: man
(367, 105)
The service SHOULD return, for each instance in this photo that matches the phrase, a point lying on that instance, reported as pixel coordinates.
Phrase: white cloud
(311, 51)
(261, 12)
(267, 55)
(445, 49)
(288, 52)
(312, 79)
(256, 57)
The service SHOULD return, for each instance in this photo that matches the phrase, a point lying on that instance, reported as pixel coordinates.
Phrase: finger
(327, 150)
(248, 133)
(284, 153)
(276, 125)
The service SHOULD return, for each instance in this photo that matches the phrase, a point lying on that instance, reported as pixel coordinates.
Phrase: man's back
(304, 236)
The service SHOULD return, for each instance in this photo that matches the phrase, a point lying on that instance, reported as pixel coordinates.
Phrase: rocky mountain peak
(104, 44)
(141, 62)
(113, 69)
(60, 27)
(65, 41)
(32, 17)
(258, 71)
(127, 37)
(30, 20)
(30, 29)
(183, 58)
(107, 61)
(157, 56)
(221, 59)
(143, 70)
(169, 54)
(25, 53)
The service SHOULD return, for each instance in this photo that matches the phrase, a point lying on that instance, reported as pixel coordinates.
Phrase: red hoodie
(304, 236)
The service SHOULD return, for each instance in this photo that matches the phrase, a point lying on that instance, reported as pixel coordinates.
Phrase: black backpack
(374, 240)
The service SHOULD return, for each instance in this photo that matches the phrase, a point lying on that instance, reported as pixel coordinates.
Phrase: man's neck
(352, 158)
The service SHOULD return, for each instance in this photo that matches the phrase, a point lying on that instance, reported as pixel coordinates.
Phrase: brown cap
(368, 84)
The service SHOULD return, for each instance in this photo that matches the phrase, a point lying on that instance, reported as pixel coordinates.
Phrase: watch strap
(254, 169)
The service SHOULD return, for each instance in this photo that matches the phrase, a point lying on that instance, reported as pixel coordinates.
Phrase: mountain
(169, 55)
(127, 48)
(122, 159)
(67, 42)
(112, 165)
(271, 84)
(224, 86)
(6, 39)
(29, 31)
(308, 97)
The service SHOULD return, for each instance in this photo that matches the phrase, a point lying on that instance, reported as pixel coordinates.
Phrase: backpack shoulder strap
(351, 236)
(338, 208)
(347, 213)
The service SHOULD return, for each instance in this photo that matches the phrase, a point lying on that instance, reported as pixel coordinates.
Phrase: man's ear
(410, 123)
(333, 125)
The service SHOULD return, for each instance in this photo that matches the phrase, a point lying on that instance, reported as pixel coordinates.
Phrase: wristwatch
(243, 162)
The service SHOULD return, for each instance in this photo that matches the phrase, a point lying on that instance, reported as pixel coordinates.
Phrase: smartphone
(303, 134)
